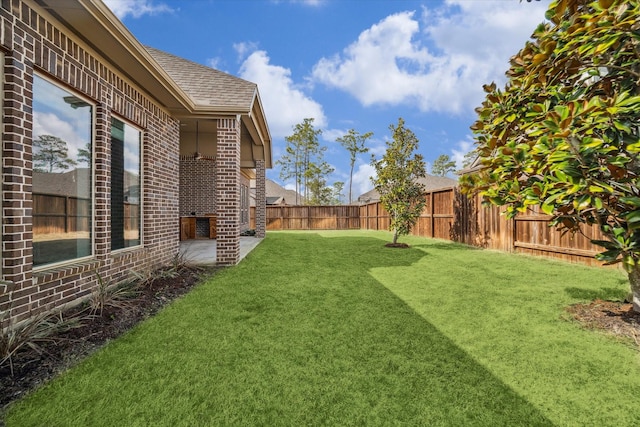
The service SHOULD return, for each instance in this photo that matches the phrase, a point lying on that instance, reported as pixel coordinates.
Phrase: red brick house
(106, 144)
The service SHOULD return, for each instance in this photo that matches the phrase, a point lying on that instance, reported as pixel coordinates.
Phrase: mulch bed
(31, 368)
(397, 245)
(612, 317)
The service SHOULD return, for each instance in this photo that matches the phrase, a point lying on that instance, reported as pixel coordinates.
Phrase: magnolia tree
(397, 173)
(564, 132)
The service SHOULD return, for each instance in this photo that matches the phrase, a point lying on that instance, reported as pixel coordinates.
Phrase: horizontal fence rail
(449, 214)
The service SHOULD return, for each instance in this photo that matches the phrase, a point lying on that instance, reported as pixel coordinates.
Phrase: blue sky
(357, 64)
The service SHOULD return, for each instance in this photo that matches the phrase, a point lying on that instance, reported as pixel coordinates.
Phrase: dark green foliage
(564, 132)
(397, 173)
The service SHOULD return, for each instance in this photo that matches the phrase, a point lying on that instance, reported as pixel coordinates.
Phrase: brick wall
(227, 189)
(197, 186)
(261, 200)
(31, 42)
(245, 184)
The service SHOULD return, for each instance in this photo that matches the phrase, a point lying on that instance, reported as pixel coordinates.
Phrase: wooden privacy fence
(435, 220)
(450, 215)
(60, 214)
(54, 214)
(344, 217)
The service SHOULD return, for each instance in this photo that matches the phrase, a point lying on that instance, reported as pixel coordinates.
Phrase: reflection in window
(125, 185)
(61, 174)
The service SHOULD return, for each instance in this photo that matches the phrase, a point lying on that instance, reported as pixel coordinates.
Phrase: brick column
(102, 186)
(228, 191)
(17, 202)
(261, 199)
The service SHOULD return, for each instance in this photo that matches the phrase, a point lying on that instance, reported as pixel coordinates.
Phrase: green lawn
(335, 329)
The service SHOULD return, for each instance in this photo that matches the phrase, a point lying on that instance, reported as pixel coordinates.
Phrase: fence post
(282, 218)
(433, 219)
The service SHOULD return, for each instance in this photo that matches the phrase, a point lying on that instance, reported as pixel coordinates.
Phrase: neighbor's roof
(430, 182)
(277, 194)
(273, 189)
(207, 87)
(276, 200)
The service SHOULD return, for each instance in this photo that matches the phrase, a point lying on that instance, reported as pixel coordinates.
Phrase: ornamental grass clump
(30, 333)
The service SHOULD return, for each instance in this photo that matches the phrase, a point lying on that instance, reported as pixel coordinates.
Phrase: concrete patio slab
(203, 251)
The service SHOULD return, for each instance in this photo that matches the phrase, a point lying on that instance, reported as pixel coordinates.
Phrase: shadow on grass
(442, 246)
(298, 334)
(607, 294)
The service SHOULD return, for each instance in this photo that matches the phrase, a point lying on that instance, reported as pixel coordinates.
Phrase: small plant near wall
(31, 333)
(107, 294)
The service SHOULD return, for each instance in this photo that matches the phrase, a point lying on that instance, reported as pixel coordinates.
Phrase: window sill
(49, 274)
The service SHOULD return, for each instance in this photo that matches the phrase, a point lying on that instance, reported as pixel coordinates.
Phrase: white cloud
(361, 180)
(462, 148)
(330, 135)
(136, 8)
(437, 63)
(377, 147)
(284, 102)
(244, 49)
(66, 130)
(215, 63)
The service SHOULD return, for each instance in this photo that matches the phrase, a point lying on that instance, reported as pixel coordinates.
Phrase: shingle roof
(206, 86)
(276, 200)
(64, 183)
(430, 182)
(272, 189)
(277, 194)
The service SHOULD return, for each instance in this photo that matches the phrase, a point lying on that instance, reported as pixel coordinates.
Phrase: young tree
(443, 165)
(469, 158)
(396, 180)
(354, 142)
(318, 191)
(50, 154)
(84, 154)
(336, 193)
(301, 152)
(291, 163)
(564, 132)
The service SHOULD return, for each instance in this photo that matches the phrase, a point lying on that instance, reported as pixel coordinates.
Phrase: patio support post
(228, 191)
(102, 153)
(261, 200)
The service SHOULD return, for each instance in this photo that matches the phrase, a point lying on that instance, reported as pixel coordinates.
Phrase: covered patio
(225, 145)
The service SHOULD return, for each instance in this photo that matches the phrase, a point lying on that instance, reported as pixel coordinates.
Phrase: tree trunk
(350, 182)
(395, 236)
(634, 281)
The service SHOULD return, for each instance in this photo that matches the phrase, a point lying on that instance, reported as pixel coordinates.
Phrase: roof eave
(96, 25)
